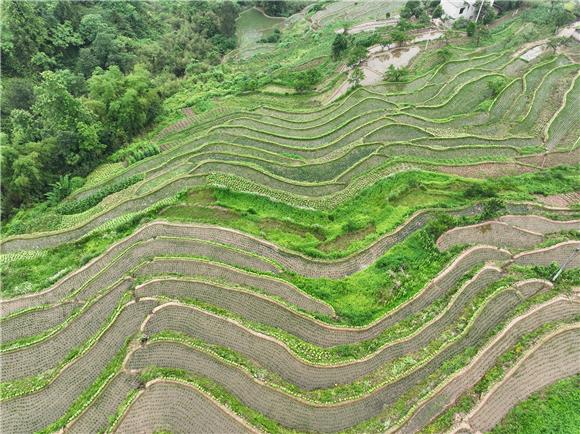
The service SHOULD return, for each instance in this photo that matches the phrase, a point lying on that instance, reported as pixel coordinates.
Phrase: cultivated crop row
(558, 308)
(35, 411)
(178, 407)
(556, 357)
(299, 414)
(503, 303)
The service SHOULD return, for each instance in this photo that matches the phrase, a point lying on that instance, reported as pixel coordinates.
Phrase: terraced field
(383, 263)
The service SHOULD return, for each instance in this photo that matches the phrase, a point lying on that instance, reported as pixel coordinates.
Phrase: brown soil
(565, 200)
(486, 170)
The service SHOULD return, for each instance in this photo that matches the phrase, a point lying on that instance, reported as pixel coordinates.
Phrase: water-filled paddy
(253, 25)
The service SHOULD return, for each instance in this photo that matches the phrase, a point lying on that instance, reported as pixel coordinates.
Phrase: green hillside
(327, 217)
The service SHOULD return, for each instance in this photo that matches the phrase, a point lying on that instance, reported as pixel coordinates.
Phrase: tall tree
(339, 45)
(24, 33)
(63, 117)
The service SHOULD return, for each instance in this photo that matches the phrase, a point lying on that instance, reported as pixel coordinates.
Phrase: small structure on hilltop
(462, 8)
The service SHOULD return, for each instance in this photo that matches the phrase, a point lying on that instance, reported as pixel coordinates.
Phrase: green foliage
(59, 135)
(62, 188)
(137, 151)
(78, 206)
(552, 410)
(445, 54)
(546, 182)
(17, 93)
(30, 275)
(496, 85)
(508, 5)
(356, 76)
(460, 23)
(339, 45)
(553, 14)
(356, 54)
(492, 208)
(386, 205)
(273, 38)
(470, 29)
(82, 79)
(397, 276)
(281, 8)
(366, 39)
(486, 11)
(437, 12)
(393, 74)
(125, 103)
(479, 191)
(400, 36)
(412, 9)
(304, 81)
(481, 32)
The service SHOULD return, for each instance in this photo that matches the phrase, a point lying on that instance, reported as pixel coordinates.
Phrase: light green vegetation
(552, 410)
(349, 228)
(269, 142)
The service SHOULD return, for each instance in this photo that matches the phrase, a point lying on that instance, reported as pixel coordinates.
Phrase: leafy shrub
(496, 85)
(438, 12)
(396, 74)
(339, 45)
(444, 54)
(368, 39)
(470, 29)
(136, 152)
(554, 15)
(460, 23)
(435, 228)
(478, 191)
(492, 208)
(30, 220)
(400, 36)
(356, 54)
(304, 81)
(352, 226)
(357, 75)
(413, 8)
(273, 38)
(486, 12)
(62, 188)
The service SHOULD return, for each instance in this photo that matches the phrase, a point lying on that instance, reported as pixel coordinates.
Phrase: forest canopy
(82, 79)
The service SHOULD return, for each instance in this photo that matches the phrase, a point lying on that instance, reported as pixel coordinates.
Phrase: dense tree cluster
(422, 11)
(280, 8)
(556, 13)
(81, 79)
